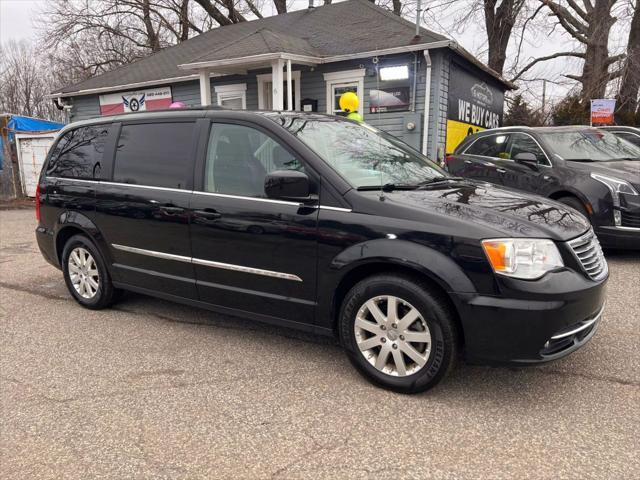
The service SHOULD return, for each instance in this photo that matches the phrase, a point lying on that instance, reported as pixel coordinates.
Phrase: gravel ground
(151, 389)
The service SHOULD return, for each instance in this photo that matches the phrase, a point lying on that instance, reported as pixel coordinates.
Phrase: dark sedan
(592, 170)
(630, 134)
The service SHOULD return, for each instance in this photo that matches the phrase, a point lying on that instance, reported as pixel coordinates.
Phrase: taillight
(38, 202)
(448, 158)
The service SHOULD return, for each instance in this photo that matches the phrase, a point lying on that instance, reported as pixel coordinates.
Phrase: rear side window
(155, 154)
(79, 152)
(490, 146)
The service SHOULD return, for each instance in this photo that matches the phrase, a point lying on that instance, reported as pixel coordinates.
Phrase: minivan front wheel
(398, 333)
(86, 275)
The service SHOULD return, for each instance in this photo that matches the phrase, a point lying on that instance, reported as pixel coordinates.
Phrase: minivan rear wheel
(398, 333)
(86, 275)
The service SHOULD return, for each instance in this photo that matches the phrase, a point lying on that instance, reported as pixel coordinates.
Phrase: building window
(265, 94)
(339, 83)
(233, 97)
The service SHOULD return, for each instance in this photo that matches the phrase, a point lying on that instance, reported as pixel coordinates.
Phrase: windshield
(590, 145)
(363, 155)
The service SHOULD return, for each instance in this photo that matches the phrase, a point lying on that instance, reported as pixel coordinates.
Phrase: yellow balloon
(349, 102)
(355, 116)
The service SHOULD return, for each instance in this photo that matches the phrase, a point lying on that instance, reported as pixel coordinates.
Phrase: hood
(628, 170)
(508, 213)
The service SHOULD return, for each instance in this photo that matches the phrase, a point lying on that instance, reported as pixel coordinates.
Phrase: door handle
(468, 162)
(208, 214)
(171, 209)
(501, 170)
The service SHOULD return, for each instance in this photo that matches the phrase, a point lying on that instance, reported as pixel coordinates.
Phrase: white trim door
(341, 82)
(265, 98)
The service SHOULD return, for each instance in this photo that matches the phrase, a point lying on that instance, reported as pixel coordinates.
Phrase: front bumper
(561, 314)
(619, 237)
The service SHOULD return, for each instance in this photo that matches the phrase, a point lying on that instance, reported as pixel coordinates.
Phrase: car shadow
(512, 385)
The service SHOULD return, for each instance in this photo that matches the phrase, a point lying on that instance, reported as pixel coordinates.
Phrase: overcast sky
(16, 22)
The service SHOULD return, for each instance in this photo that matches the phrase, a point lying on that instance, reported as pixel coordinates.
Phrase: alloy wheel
(83, 273)
(392, 335)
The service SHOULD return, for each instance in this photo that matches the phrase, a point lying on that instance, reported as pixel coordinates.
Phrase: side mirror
(526, 157)
(287, 185)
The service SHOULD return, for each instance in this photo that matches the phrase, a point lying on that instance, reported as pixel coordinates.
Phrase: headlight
(524, 258)
(616, 187)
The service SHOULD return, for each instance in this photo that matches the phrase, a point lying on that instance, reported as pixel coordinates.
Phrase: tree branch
(544, 59)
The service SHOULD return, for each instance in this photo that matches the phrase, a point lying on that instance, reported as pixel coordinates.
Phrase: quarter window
(79, 152)
(490, 146)
(239, 158)
(521, 143)
(157, 154)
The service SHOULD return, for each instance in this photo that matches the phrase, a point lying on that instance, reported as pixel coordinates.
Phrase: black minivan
(322, 224)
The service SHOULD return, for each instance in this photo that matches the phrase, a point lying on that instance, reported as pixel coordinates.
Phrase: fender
(81, 222)
(426, 260)
(576, 193)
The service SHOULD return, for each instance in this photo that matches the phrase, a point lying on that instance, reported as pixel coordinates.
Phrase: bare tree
(23, 86)
(630, 84)
(500, 19)
(589, 24)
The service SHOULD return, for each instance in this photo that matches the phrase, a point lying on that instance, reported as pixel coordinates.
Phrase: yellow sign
(457, 131)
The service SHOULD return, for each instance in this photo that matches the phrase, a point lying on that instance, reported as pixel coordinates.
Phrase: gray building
(304, 60)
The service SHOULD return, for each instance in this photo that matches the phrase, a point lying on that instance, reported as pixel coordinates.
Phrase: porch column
(289, 87)
(205, 88)
(277, 81)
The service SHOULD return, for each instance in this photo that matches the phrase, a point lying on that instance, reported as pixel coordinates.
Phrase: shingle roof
(350, 27)
(262, 41)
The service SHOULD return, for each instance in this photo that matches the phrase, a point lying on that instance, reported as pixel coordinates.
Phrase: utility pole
(544, 96)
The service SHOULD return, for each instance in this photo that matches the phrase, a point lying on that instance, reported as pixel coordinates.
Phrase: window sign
(391, 99)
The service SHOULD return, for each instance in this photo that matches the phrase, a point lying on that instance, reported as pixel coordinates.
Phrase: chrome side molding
(208, 263)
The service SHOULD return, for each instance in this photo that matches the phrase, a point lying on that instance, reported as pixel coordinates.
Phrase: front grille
(587, 250)
(630, 219)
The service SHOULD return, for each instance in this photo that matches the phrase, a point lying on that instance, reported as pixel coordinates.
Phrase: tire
(576, 204)
(435, 324)
(75, 273)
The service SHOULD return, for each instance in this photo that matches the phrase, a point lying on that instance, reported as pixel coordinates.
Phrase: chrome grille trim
(586, 249)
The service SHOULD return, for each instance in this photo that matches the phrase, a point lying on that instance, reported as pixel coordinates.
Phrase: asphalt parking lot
(151, 389)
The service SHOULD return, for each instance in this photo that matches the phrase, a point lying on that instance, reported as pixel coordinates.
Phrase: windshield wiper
(436, 180)
(387, 187)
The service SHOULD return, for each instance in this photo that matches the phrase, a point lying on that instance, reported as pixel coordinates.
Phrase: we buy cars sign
(136, 101)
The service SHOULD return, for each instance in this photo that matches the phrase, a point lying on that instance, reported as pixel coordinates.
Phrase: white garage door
(32, 151)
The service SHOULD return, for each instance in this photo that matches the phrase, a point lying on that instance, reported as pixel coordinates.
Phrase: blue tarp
(18, 124)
